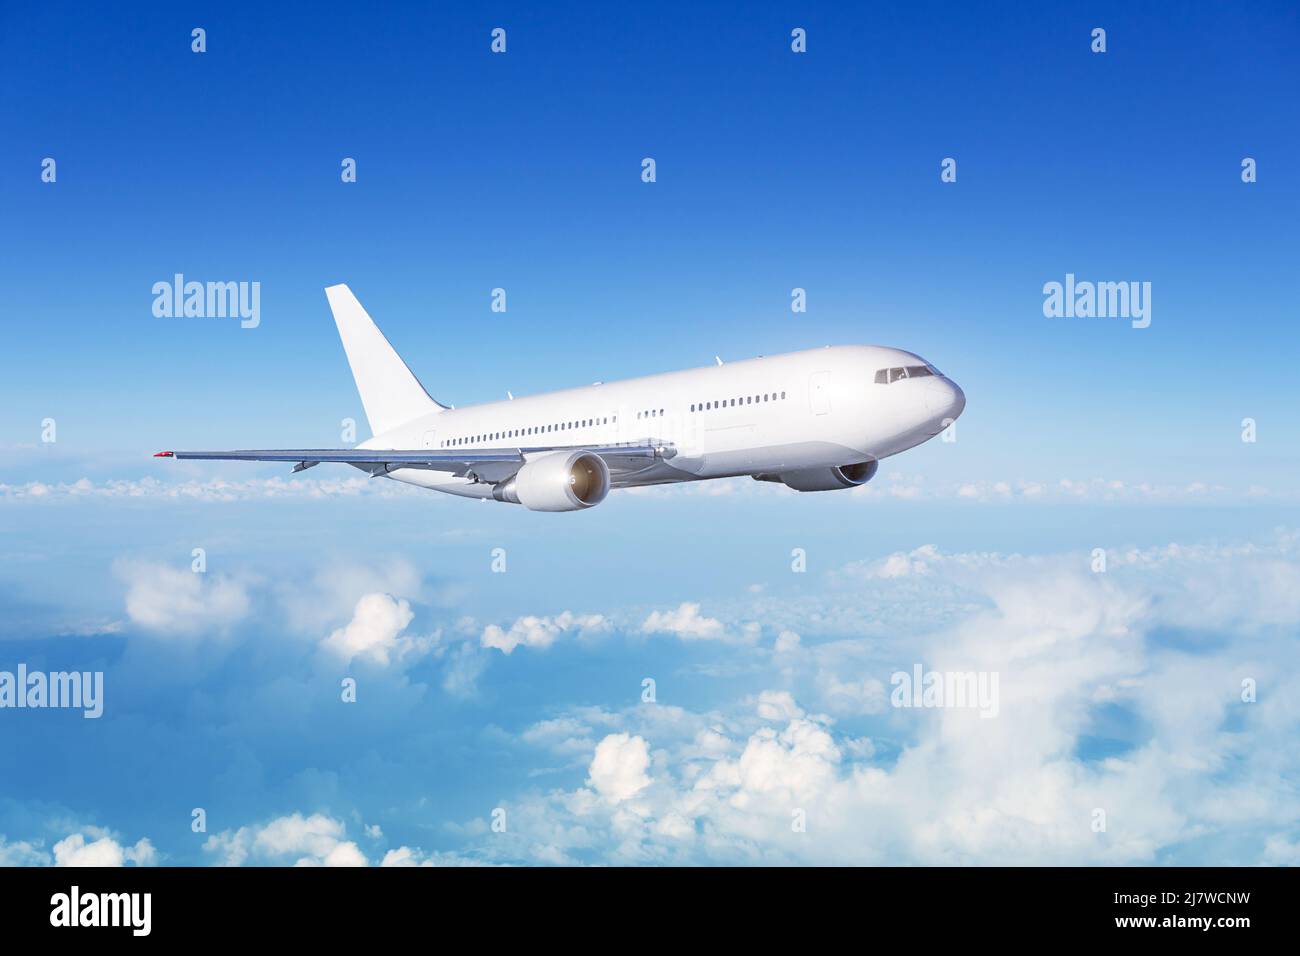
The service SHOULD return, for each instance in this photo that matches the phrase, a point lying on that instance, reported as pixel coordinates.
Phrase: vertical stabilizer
(390, 393)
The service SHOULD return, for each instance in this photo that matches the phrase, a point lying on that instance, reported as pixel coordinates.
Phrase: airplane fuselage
(840, 407)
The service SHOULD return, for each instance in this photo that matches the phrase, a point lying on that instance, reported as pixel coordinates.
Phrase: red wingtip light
(165, 454)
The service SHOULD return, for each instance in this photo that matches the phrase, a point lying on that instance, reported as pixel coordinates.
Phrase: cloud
(102, 850)
(777, 705)
(787, 642)
(315, 840)
(889, 485)
(375, 631)
(1280, 851)
(171, 600)
(22, 853)
(685, 622)
(1122, 735)
(210, 490)
(563, 735)
(540, 633)
(861, 696)
(331, 592)
(1120, 692)
(464, 665)
(409, 856)
(618, 767)
(895, 486)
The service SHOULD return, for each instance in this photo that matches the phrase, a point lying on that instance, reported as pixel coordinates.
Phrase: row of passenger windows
(523, 432)
(885, 376)
(588, 422)
(745, 400)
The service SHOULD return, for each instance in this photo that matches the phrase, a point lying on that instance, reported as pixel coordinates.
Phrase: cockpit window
(886, 376)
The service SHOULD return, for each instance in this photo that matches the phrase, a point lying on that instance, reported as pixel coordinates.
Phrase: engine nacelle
(827, 479)
(557, 481)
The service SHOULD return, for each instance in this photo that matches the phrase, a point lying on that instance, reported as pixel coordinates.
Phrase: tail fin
(390, 393)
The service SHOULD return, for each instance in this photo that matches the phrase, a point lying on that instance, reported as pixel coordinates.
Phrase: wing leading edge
(490, 465)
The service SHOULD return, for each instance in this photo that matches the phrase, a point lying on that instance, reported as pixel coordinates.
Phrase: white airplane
(817, 420)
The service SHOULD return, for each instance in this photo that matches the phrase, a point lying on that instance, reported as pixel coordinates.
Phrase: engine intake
(557, 481)
(827, 479)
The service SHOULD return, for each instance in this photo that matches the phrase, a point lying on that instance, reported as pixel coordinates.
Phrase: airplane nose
(943, 399)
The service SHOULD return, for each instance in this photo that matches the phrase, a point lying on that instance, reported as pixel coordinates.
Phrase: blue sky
(775, 170)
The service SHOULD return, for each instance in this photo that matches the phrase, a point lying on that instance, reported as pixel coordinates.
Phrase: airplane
(815, 420)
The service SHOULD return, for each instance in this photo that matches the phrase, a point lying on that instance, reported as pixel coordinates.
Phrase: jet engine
(557, 481)
(826, 479)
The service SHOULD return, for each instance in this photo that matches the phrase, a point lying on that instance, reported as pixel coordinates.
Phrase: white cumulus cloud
(172, 600)
(685, 622)
(315, 840)
(540, 633)
(375, 632)
(618, 768)
(101, 849)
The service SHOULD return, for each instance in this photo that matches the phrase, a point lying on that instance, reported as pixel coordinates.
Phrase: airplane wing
(488, 464)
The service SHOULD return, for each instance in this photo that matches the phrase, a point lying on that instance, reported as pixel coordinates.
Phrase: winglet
(165, 454)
